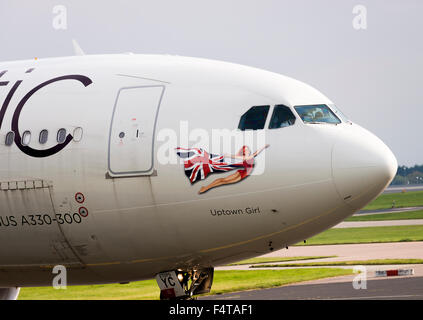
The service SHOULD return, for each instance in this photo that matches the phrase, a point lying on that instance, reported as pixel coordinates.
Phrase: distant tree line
(409, 175)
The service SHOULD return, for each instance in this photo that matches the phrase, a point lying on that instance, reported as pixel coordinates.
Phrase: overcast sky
(374, 75)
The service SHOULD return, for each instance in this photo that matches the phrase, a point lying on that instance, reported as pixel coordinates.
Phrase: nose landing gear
(184, 284)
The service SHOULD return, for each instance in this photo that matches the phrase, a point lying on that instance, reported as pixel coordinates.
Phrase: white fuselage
(110, 209)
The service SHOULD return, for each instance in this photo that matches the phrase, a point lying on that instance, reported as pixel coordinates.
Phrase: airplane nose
(362, 166)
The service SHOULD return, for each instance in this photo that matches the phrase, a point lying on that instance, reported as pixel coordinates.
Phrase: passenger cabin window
(61, 135)
(77, 134)
(43, 136)
(26, 138)
(10, 137)
(254, 118)
(282, 117)
(317, 114)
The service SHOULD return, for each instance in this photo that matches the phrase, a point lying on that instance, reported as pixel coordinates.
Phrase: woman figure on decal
(247, 167)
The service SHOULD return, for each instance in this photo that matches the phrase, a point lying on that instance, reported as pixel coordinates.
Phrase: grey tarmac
(383, 223)
(341, 288)
(393, 288)
(399, 189)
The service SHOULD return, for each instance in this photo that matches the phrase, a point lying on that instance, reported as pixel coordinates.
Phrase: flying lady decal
(198, 164)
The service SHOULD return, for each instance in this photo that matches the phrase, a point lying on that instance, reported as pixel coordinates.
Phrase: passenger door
(131, 141)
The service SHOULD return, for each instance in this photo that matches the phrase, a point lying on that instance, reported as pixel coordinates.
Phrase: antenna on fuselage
(77, 49)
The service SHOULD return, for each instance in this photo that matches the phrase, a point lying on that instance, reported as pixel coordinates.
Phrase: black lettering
(171, 282)
(4, 221)
(40, 221)
(164, 281)
(7, 100)
(15, 120)
(60, 219)
(23, 221)
(47, 219)
(68, 218)
(13, 221)
(77, 218)
(31, 217)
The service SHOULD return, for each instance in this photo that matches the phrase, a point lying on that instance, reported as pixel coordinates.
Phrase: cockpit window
(282, 117)
(254, 118)
(317, 114)
(339, 113)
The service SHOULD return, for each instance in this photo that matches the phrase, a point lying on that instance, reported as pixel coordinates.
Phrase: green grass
(367, 235)
(224, 281)
(140, 290)
(406, 199)
(276, 259)
(240, 280)
(388, 216)
(343, 263)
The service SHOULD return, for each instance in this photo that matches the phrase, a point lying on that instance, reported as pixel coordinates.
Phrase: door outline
(132, 173)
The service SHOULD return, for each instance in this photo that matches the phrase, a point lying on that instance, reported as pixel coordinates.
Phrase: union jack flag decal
(198, 163)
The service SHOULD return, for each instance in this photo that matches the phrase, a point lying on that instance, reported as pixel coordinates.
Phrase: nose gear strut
(184, 284)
